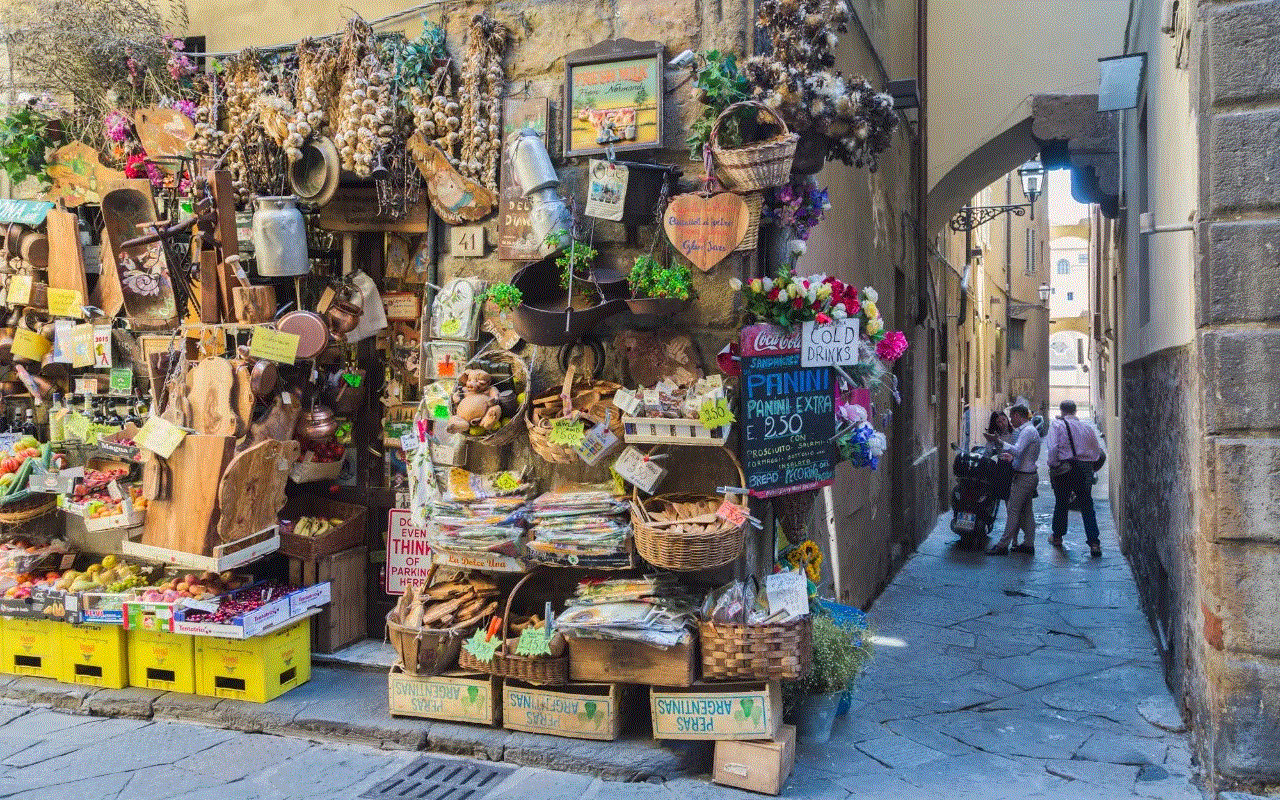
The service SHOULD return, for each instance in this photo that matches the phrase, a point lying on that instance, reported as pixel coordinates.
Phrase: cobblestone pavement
(996, 678)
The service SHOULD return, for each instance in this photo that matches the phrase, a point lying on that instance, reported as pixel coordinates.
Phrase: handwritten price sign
(732, 513)
(568, 433)
(715, 414)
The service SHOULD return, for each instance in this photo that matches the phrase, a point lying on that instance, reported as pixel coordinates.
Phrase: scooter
(973, 500)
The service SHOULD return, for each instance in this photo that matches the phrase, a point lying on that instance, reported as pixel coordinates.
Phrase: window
(1083, 258)
(1064, 267)
(1030, 268)
(1071, 296)
(1017, 327)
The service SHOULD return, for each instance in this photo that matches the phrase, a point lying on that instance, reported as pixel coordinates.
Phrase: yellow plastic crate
(163, 661)
(257, 669)
(31, 647)
(95, 655)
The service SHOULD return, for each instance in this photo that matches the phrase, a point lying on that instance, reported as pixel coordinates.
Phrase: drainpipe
(1008, 272)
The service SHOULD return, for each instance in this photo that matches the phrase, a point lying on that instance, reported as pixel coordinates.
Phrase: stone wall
(1238, 337)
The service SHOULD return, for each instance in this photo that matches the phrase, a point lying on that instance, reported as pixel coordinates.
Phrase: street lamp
(1017, 308)
(1032, 176)
(1044, 292)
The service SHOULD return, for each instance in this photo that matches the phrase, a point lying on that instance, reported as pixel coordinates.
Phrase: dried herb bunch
(797, 80)
(96, 56)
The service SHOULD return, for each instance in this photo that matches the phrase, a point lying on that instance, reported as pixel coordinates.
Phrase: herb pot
(657, 306)
(544, 317)
(815, 715)
(279, 237)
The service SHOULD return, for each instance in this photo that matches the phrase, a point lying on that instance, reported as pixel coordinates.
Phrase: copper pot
(310, 328)
(317, 424)
(343, 316)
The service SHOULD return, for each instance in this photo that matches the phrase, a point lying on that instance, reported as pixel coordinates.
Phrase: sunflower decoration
(806, 554)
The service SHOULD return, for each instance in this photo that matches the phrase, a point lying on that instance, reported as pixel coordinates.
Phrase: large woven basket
(426, 651)
(781, 651)
(662, 546)
(590, 402)
(755, 203)
(757, 165)
(519, 385)
(552, 670)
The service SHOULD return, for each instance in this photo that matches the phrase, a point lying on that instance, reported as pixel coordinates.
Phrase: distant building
(1071, 352)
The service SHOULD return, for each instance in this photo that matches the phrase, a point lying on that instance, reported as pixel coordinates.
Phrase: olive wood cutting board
(210, 384)
(66, 259)
(251, 493)
(186, 520)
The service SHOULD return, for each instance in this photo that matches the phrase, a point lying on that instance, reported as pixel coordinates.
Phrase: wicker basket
(756, 652)
(665, 548)
(591, 402)
(426, 651)
(30, 506)
(755, 203)
(758, 165)
(520, 387)
(552, 670)
(792, 512)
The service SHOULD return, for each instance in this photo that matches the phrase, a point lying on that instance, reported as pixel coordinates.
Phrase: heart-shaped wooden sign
(706, 229)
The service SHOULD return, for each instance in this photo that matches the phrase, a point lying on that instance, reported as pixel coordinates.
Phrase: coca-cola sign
(763, 339)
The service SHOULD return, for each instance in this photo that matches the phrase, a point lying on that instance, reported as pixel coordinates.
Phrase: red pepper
(494, 625)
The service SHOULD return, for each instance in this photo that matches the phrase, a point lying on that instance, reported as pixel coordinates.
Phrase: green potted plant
(503, 295)
(841, 650)
(24, 140)
(548, 313)
(658, 289)
(718, 84)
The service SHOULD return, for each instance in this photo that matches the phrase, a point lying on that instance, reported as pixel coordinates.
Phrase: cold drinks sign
(832, 345)
(408, 555)
(788, 414)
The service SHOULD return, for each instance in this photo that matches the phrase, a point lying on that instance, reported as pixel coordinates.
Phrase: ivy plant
(23, 142)
(718, 84)
(649, 278)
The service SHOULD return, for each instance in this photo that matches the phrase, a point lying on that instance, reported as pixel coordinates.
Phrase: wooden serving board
(186, 520)
(242, 396)
(209, 390)
(278, 422)
(143, 269)
(66, 259)
(251, 493)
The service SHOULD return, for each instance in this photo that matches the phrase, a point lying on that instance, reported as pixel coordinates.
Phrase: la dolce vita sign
(832, 344)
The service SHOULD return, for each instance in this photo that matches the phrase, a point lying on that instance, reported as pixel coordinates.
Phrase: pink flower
(822, 319)
(892, 346)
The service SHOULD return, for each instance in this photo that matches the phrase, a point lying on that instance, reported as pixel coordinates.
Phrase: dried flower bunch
(797, 80)
(481, 100)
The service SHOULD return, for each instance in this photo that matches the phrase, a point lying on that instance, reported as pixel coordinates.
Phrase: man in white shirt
(1074, 452)
(1024, 453)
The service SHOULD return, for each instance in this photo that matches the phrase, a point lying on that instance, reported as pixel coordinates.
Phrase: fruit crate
(226, 556)
(343, 621)
(161, 661)
(257, 669)
(31, 647)
(345, 536)
(94, 655)
(278, 611)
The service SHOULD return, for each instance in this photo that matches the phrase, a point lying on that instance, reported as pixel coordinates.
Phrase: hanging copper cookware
(317, 424)
(310, 328)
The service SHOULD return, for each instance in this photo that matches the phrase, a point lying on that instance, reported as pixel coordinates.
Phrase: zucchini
(23, 476)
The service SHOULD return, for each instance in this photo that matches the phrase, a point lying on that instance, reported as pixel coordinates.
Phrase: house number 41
(466, 241)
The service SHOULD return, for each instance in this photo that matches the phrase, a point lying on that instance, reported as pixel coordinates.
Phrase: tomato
(9, 464)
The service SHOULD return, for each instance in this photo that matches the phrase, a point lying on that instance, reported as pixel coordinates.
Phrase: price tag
(409, 441)
(481, 647)
(715, 414)
(209, 606)
(160, 436)
(19, 290)
(533, 642)
(122, 380)
(787, 592)
(599, 442)
(86, 385)
(401, 306)
(626, 400)
(29, 345)
(274, 345)
(102, 346)
(567, 432)
(113, 489)
(632, 467)
(65, 303)
(732, 513)
(353, 379)
(506, 482)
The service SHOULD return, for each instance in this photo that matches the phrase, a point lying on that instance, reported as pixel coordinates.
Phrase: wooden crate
(758, 766)
(344, 537)
(715, 711)
(617, 661)
(658, 430)
(578, 711)
(454, 696)
(342, 621)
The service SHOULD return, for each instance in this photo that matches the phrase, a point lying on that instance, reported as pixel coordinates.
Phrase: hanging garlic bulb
(479, 108)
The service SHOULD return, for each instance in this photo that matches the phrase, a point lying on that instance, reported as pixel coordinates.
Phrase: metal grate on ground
(430, 778)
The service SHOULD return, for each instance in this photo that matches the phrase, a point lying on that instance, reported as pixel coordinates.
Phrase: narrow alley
(995, 678)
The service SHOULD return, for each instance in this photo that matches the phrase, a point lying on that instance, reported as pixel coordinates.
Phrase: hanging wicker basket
(755, 204)
(519, 387)
(781, 651)
(545, 670)
(663, 539)
(757, 165)
(590, 401)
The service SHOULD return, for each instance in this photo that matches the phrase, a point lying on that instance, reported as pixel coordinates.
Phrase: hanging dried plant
(481, 100)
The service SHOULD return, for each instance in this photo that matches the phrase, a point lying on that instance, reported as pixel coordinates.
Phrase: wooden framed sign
(788, 414)
(613, 97)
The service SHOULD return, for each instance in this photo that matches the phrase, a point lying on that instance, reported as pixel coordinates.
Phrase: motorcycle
(974, 499)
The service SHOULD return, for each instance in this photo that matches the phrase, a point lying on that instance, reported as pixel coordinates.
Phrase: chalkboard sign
(788, 414)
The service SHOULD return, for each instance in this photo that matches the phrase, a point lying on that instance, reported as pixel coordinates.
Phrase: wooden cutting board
(242, 397)
(252, 490)
(66, 259)
(143, 269)
(209, 390)
(187, 519)
(278, 422)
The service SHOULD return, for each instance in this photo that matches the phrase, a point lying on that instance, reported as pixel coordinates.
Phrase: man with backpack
(1074, 455)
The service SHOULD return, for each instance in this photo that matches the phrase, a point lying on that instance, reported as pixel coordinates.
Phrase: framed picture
(613, 96)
